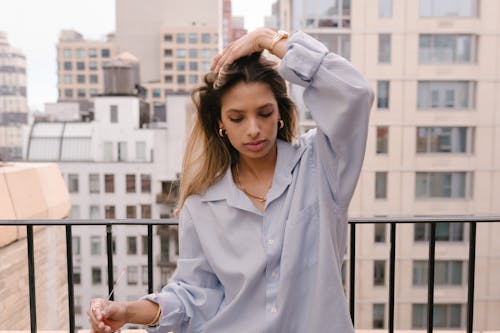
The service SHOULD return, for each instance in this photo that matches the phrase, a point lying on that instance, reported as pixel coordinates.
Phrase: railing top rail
(358, 220)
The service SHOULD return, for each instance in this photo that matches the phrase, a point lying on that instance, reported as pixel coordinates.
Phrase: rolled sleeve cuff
(172, 310)
(302, 59)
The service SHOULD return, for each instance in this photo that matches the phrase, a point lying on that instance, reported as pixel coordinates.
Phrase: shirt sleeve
(339, 99)
(195, 293)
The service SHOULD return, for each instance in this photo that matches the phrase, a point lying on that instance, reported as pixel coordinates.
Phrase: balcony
(352, 264)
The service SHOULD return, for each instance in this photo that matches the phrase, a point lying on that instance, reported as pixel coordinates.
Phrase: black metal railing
(393, 222)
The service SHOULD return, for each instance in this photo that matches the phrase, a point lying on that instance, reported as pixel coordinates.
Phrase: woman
(262, 222)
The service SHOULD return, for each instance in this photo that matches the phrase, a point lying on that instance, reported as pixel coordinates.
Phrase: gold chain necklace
(240, 185)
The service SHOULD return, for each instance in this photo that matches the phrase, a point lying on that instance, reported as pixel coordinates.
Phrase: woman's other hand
(106, 316)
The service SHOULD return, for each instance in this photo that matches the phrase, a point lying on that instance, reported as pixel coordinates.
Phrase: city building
(117, 166)
(79, 68)
(238, 29)
(13, 101)
(432, 146)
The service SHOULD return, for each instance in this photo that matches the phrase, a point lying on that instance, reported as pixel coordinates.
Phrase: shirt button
(273, 309)
(270, 242)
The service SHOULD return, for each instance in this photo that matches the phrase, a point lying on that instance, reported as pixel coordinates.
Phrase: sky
(34, 25)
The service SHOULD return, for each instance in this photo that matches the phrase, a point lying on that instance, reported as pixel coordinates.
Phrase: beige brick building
(433, 147)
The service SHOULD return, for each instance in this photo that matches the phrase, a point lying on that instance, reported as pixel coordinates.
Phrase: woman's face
(250, 115)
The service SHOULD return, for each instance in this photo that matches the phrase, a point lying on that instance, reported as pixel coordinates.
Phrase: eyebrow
(241, 111)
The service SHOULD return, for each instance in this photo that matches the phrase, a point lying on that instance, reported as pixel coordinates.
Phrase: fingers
(95, 316)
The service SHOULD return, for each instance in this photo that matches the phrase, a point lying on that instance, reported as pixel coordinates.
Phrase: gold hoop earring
(281, 124)
(221, 132)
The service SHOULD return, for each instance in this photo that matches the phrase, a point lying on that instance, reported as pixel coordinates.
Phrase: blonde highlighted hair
(208, 155)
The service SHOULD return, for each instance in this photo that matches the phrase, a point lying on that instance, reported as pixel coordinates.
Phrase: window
(93, 78)
(131, 212)
(68, 65)
(463, 8)
(445, 139)
(107, 151)
(180, 66)
(382, 139)
(77, 275)
(193, 79)
(146, 211)
(67, 53)
(447, 48)
(92, 53)
(193, 53)
(205, 53)
(193, 38)
(122, 151)
(381, 185)
(384, 9)
(180, 38)
(446, 94)
(338, 43)
(167, 38)
(75, 240)
(168, 79)
(113, 113)
(145, 183)
(80, 53)
(80, 65)
(140, 151)
(452, 185)
(168, 66)
(82, 93)
(384, 48)
(105, 53)
(180, 53)
(68, 78)
(95, 212)
(68, 93)
(132, 275)
(130, 183)
(205, 38)
(205, 66)
(131, 245)
(193, 66)
(181, 79)
(444, 316)
(379, 233)
(156, 93)
(144, 240)
(109, 183)
(93, 92)
(446, 272)
(73, 183)
(379, 272)
(378, 315)
(109, 212)
(164, 249)
(447, 232)
(96, 275)
(332, 14)
(383, 94)
(93, 65)
(74, 212)
(95, 245)
(167, 53)
(144, 275)
(93, 183)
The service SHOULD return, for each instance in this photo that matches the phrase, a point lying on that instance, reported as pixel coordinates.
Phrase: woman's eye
(236, 120)
(266, 115)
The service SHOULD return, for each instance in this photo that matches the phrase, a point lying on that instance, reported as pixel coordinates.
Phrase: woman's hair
(208, 155)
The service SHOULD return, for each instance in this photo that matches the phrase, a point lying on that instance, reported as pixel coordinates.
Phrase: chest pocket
(300, 244)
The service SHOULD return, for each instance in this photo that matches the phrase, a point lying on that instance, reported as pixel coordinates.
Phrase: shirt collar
(225, 189)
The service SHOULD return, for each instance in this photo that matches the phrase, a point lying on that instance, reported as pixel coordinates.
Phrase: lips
(255, 145)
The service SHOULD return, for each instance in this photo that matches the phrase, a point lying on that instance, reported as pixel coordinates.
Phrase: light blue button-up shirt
(242, 270)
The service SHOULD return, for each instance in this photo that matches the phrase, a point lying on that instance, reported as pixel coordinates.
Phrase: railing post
(69, 266)
(150, 259)
(109, 251)
(352, 267)
(430, 278)
(31, 276)
(392, 267)
(471, 277)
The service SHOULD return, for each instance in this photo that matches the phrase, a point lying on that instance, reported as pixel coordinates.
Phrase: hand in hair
(255, 41)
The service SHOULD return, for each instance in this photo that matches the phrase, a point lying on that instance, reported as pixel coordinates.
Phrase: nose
(253, 128)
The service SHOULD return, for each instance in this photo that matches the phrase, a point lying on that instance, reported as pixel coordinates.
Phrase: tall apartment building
(433, 146)
(79, 67)
(13, 101)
